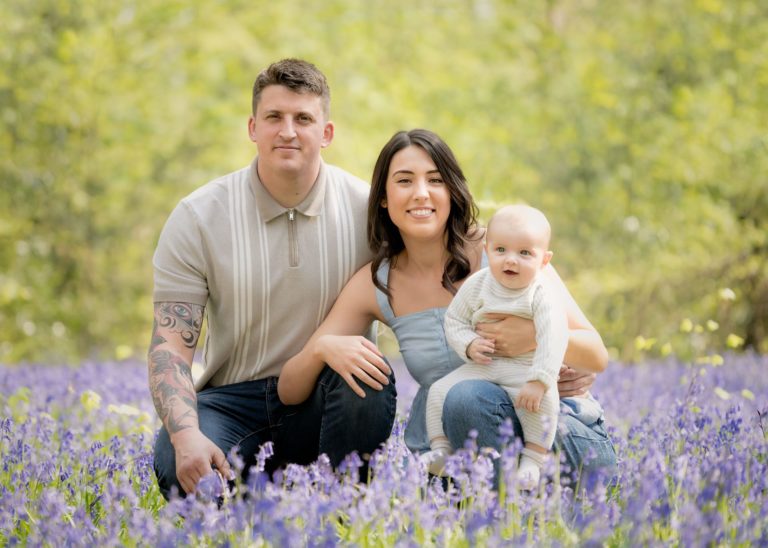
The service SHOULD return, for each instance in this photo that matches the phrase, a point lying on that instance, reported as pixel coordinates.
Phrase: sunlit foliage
(639, 127)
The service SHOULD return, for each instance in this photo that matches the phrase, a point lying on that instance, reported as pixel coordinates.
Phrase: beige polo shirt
(266, 274)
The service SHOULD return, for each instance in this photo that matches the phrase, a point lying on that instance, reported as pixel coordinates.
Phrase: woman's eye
(436, 181)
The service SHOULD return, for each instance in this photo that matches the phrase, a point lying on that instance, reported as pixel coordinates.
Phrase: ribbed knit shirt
(482, 294)
(267, 274)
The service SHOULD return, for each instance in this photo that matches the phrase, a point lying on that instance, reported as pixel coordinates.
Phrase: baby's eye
(500, 249)
(525, 252)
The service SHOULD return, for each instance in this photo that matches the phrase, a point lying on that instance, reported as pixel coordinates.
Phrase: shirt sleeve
(179, 265)
(551, 338)
(459, 331)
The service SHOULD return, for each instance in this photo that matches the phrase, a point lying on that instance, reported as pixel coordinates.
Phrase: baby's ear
(547, 258)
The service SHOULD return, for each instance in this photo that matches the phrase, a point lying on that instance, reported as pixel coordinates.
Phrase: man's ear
(252, 128)
(547, 258)
(327, 134)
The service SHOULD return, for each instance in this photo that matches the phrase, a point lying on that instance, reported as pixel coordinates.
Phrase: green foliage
(639, 127)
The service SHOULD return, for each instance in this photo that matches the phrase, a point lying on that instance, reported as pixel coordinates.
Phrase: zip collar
(270, 209)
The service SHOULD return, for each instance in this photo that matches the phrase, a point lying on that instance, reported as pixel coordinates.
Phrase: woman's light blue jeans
(484, 406)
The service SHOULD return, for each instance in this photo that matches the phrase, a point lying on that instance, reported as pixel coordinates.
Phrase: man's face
(289, 130)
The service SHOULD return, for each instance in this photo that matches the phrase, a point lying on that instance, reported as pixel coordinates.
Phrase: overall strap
(386, 309)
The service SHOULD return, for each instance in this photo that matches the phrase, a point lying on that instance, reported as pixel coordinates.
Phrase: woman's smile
(421, 213)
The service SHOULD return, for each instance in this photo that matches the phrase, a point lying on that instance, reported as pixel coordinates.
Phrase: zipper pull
(290, 214)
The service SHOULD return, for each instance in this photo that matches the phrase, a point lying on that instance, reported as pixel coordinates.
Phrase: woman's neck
(423, 258)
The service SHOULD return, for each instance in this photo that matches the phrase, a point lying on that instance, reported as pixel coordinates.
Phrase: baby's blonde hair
(521, 214)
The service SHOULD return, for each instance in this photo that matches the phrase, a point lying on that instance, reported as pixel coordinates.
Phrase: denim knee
(475, 405)
(351, 423)
(165, 465)
(588, 451)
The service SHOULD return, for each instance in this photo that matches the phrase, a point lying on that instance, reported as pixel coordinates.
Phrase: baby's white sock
(529, 470)
(435, 459)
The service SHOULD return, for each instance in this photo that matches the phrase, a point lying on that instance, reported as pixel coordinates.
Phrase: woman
(422, 230)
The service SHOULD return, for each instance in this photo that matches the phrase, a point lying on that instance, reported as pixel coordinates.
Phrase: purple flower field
(76, 471)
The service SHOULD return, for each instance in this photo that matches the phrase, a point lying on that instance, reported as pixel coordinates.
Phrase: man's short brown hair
(296, 74)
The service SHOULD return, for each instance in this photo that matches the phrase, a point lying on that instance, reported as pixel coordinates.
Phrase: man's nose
(287, 129)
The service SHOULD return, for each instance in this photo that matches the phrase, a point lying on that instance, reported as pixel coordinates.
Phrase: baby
(517, 246)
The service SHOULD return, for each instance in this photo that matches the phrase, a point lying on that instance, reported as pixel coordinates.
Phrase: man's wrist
(184, 433)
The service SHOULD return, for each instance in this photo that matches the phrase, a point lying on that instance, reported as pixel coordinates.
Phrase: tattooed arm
(174, 338)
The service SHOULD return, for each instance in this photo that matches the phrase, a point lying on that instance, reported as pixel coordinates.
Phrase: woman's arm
(339, 343)
(514, 335)
(586, 351)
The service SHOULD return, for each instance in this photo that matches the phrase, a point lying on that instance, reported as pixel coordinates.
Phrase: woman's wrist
(319, 349)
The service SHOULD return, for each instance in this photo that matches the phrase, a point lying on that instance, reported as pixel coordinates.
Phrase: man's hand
(355, 358)
(196, 455)
(574, 383)
(512, 335)
(480, 351)
(529, 397)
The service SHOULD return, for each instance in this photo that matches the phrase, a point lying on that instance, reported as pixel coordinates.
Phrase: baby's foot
(529, 470)
(528, 474)
(435, 461)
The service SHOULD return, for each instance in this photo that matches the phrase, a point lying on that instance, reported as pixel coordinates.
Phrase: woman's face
(418, 200)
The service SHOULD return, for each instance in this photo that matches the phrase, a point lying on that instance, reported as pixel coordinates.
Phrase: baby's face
(516, 253)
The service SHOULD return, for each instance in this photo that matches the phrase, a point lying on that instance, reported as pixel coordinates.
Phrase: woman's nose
(420, 189)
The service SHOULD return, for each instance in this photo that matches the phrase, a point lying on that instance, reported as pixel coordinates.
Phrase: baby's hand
(530, 396)
(480, 349)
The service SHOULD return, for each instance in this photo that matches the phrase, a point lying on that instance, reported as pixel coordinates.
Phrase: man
(264, 251)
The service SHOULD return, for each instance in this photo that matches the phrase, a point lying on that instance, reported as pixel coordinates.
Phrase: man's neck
(288, 189)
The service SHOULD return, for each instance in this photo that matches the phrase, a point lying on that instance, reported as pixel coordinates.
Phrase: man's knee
(340, 396)
(165, 465)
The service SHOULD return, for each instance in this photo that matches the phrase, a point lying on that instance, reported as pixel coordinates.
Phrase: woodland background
(639, 127)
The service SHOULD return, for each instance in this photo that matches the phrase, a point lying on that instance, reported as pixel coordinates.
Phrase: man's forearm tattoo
(170, 376)
(170, 382)
(182, 318)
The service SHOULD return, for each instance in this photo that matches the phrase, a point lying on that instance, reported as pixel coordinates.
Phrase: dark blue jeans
(333, 420)
(484, 406)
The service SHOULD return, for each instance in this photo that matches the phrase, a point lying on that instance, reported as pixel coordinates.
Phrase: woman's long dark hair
(384, 237)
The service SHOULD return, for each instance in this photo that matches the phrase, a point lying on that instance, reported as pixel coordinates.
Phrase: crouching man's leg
(336, 421)
(234, 415)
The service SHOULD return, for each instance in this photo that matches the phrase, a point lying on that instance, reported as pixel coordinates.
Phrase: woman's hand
(512, 335)
(354, 357)
(574, 383)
